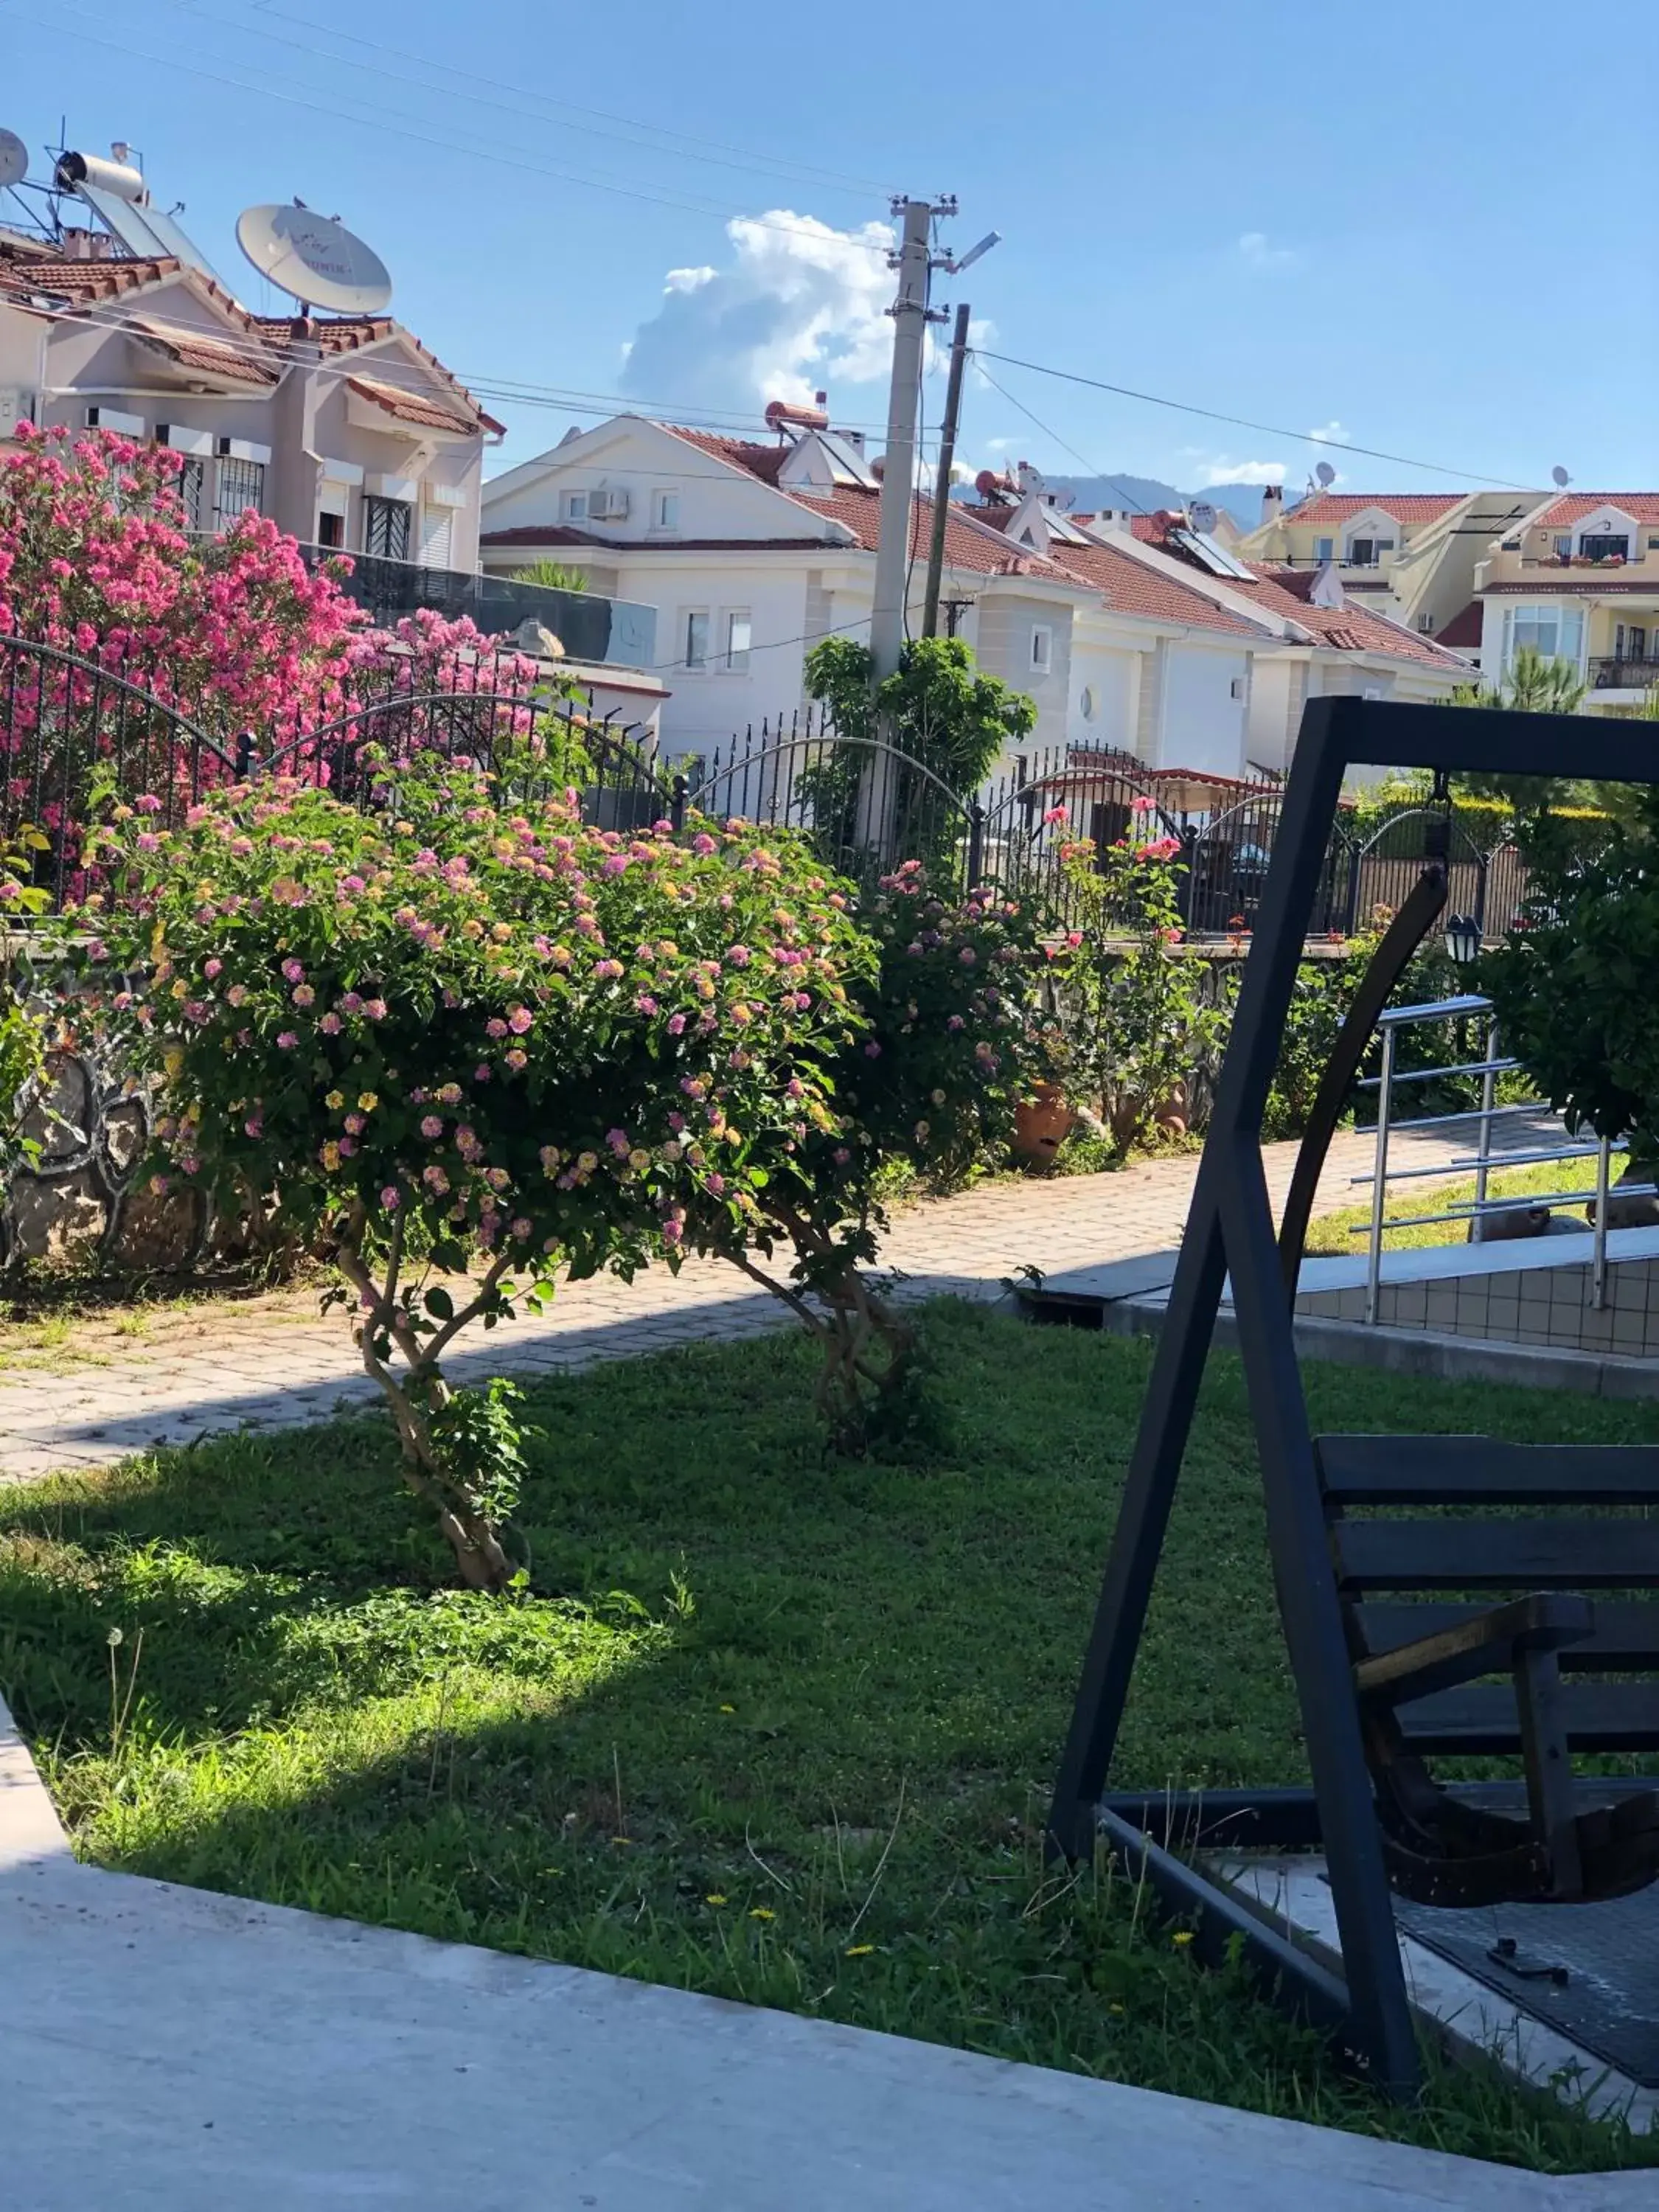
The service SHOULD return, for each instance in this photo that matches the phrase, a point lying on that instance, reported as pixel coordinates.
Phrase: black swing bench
(1441, 1597)
(1466, 1514)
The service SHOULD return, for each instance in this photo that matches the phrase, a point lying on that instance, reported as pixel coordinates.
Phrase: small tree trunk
(479, 1558)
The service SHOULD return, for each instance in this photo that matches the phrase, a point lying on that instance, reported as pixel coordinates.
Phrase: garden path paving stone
(273, 1361)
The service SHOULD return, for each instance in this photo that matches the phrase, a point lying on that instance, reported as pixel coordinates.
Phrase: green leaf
(438, 1302)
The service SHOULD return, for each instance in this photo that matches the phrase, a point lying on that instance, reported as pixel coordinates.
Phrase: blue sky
(1425, 227)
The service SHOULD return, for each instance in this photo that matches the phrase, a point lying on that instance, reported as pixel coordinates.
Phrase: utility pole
(947, 453)
(914, 263)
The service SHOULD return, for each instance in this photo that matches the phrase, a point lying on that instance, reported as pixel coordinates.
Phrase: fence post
(247, 756)
(1186, 890)
(676, 804)
(976, 844)
(1355, 862)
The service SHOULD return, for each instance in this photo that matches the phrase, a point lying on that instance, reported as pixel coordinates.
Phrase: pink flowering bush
(475, 1037)
(95, 557)
(953, 1032)
(1139, 1025)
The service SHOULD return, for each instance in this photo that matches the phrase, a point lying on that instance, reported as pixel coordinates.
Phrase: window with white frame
(1605, 546)
(739, 633)
(1564, 545)
(1042, 648)
(1555, 631)
(664, 510)
(694, 637)
(573, 507)
(1324, 548)
(1369, 552)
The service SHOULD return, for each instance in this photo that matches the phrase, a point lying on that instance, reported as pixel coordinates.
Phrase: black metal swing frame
(1230, 1233)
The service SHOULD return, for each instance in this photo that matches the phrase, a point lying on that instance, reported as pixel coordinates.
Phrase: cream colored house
(1579, 580)
(345, 431)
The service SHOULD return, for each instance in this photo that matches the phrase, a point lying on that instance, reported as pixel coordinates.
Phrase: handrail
(1483, 1207)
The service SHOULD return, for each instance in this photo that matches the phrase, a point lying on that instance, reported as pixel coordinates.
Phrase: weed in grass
(819, 1703)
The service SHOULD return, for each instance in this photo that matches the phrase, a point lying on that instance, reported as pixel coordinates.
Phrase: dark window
(237, 485)
(386, 528)
(1362, 553)
(331, 529)
(192, 483)
(1603, 548)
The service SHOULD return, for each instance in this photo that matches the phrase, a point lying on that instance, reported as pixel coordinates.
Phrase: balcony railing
(589, 626)
(1613, 673)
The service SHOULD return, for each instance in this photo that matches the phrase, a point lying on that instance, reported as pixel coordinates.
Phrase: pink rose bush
(428, 1035)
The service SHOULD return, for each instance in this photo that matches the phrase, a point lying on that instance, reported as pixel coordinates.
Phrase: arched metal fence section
(69, 721)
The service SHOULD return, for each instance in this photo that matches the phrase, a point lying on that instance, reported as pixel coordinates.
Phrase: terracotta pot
(1042, 1123)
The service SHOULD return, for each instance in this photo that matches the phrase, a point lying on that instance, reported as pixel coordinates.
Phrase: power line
(683, 143)
(1244, 422)
(402, 129)
(1092, 467)
(109, 315)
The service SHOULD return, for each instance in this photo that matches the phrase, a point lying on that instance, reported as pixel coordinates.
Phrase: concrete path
(166, 2050)
(273, 1361)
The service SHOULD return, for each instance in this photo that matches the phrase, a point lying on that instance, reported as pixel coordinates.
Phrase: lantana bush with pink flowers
(471, 1048)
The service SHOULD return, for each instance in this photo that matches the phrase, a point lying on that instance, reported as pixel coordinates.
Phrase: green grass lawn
(1331, 1233)
(776, 1728)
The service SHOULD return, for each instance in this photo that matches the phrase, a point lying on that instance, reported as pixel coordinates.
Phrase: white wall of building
(1201, 718)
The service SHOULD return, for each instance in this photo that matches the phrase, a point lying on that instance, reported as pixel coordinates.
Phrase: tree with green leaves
(937, 708)
(552, 576)
(1533, 683)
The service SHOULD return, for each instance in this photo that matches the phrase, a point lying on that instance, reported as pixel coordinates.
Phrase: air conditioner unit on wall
(17, 405)
(608, 504)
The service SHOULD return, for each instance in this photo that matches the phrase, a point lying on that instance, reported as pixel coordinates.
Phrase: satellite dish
(14, 159)
(1202, 516)
(1559, 477)
(315, 258)
(1326, 474)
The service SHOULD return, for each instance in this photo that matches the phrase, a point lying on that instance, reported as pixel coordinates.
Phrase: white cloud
(799, 307)
(1333, 433)
(1257, 251)
(1220, 470)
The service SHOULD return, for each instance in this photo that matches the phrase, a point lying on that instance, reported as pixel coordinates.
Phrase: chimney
(1273, 503)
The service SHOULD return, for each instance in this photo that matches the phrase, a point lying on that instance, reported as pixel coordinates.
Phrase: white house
(1235, 695)
(753, 550)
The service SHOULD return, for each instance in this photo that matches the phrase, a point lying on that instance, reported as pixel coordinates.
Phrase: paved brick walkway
(273, 1361)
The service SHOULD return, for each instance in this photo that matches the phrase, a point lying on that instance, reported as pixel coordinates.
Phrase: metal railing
(1482, 1207)
(1617, 672)
(589, 625)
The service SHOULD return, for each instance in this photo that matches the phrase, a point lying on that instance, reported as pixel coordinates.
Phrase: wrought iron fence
(66, 717)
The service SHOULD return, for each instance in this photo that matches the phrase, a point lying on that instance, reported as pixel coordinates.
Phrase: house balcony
(1615, 672)
(590, 627)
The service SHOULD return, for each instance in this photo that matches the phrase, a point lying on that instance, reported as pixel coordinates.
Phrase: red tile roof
(748, 453)
(201, 350)
(1574, 506)
(1135, 589)
(82, 280)
(965, 546)
(1463, 630)
(1415, 507)
(1348, 629)
(542, 533)
(407, 406)
(339, 334)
